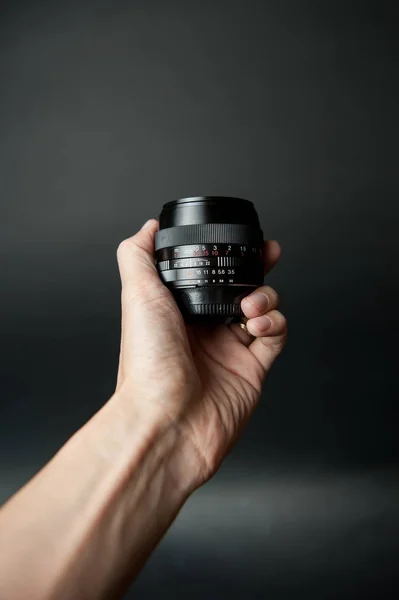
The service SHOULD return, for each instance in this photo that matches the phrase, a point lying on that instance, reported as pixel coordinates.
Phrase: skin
(85, 525)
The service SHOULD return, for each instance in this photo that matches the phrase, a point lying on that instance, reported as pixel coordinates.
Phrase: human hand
(205, 380)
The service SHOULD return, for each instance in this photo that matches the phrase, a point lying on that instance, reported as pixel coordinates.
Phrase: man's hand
(205, 380)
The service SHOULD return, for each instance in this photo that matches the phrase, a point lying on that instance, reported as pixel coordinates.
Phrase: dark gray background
(109, 109)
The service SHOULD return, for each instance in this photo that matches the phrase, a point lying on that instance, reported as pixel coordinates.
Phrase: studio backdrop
(110, 109)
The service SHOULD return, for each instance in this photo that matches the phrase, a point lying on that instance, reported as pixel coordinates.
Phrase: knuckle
(280, 342)
(280, 322)
(273, 296)
(280, 337)
(278, 331)
(126, 249)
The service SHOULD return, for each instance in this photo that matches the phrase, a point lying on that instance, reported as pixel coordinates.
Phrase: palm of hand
(231, 381)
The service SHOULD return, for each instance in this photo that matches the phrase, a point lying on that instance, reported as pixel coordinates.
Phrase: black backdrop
(109, 109)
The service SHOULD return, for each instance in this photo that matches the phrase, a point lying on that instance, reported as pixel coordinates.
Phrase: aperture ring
(250, 274)
(208, 233)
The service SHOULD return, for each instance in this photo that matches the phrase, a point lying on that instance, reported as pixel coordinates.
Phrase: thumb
(136, 256)
(136, 267)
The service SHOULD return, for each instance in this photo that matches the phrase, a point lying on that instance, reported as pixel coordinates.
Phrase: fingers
(254, 306)
(266, 323)
(272, 339)
(270, 324)
(271, 254)
(262, 300)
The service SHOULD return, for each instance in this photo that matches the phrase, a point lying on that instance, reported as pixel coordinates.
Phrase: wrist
(141, 425)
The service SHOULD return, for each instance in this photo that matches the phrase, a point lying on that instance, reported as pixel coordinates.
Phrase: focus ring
(209, 233)
(216, 309)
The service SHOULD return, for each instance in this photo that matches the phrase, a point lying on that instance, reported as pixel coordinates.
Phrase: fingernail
(147, 224)
(262, 323)
(260, 300)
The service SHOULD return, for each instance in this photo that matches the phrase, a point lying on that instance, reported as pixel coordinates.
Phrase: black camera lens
(209, 253)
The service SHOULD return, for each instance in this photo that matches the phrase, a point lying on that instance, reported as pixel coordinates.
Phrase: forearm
(84, 526)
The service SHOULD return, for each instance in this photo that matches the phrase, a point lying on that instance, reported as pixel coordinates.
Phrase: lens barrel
(209, 253)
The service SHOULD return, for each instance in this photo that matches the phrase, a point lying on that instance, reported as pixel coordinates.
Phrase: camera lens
(209, 253)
